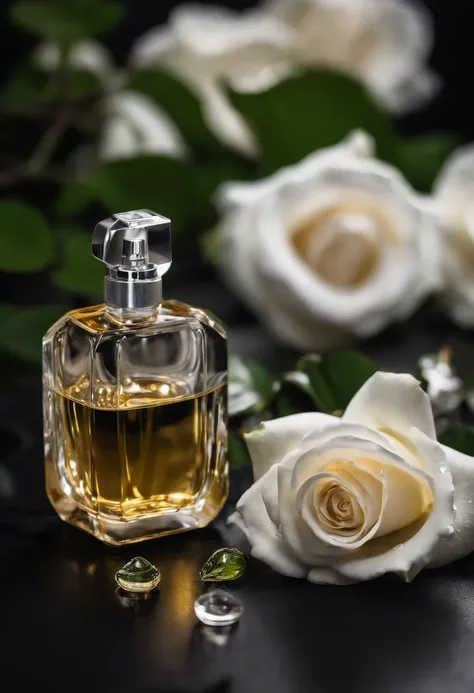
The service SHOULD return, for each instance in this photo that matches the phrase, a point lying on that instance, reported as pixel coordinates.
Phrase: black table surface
(64, 626)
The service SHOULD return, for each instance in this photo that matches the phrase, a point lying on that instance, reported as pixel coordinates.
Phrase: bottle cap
(136, 248)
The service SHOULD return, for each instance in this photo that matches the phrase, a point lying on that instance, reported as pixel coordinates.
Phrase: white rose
(344, 500)
(383, 42)
(133, 123)
(335, 246)
(453, 196)
(207, 45)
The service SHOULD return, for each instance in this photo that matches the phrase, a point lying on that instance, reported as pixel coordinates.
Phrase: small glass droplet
(218, 608)
(443, 469)
(138, 575)
(224, 564)
(448, 532)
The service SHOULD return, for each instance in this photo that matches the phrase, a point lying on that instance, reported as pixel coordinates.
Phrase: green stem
(46, 146)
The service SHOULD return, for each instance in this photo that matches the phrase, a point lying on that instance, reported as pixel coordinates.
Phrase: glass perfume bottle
(135, 398)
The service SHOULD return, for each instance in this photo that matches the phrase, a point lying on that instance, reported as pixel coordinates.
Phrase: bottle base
(119, 531)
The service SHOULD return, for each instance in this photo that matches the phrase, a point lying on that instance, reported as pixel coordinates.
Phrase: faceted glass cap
(154, 230)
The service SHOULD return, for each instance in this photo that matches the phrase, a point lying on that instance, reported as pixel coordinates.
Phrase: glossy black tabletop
(64, 626)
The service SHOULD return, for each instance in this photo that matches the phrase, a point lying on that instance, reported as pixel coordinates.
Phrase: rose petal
(294, 530)
(455, 181)
(462, 543)
(417, 549)
(84, 55)
(272, 440)
(392, 401)
(150, 130)
(267, 545)
(326, 576)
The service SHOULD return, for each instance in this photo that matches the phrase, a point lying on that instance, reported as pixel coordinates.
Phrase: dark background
(63, 626)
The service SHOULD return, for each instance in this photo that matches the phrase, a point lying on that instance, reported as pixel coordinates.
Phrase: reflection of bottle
(135, 399)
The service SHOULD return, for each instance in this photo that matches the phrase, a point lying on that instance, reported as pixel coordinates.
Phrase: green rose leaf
(294, 395)
(27, 244)
(22, 329)
(65, 21)
(460, 438)
(80, 272)
(250, 386)
(344, 373)
(319, 388)
(314, 109)
(420, 158)
(239, 455)
(152, 182)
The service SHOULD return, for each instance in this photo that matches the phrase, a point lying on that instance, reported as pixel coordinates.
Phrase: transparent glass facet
(135, 413)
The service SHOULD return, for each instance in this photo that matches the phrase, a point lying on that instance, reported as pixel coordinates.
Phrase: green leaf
(459, 438)
(26, 238)
(239, 455)
(250, 386)
(181, 105)
(420, 158)
(80, 273)
(73, 198)
(210, 244)
(22, 329)
(345, 372)
(320, 389)
(65, 21)
(314, 109)
(294, 395)
(153, 182)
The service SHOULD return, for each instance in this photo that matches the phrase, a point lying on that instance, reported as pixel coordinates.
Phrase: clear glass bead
(218, 608)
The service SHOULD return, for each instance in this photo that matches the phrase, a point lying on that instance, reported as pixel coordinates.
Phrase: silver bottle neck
(133, 288)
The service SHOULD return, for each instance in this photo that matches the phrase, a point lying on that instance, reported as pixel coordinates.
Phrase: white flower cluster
(339, 245)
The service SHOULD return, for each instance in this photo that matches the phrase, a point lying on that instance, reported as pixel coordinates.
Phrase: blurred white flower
(136, 125)
(453, 195)
(335, 246)
(383, 42)
(204, 45)
(86, 55)
(133, 123)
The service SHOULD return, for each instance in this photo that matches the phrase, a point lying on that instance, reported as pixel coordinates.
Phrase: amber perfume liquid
(148, 457)
(135, 421)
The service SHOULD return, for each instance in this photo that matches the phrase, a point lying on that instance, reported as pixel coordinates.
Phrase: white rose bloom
(344, 500)
(383, 42)
(453, 196)
(133, 124)
(335, 246)
(207, 45)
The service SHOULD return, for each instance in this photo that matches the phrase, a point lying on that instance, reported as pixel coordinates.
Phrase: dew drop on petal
(443, 469)
(448, 532)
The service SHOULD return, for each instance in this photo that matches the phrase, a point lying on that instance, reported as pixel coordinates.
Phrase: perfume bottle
(135, 398)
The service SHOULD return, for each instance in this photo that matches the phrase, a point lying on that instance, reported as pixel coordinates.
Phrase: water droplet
(218, 608)
(224, 564)
(455, 507)
(448, 532)
(138, 575)
(443, 469)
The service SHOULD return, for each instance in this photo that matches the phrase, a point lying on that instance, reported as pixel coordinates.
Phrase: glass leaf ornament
(224, 564)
